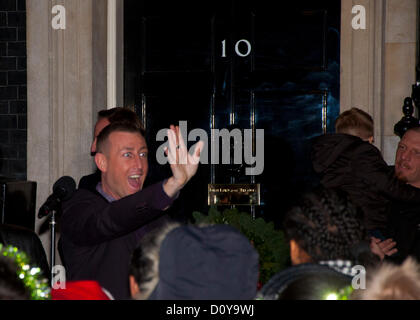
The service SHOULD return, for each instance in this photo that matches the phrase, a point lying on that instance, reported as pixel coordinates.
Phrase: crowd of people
(355, 236)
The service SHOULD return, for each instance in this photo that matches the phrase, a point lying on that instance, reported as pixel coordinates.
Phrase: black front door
(243, 65)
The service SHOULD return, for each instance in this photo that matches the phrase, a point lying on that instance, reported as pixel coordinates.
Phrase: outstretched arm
(183, 165)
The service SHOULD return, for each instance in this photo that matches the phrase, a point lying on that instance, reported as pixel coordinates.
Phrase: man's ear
(297, 254)
(101, 161)
(134, 287)
(294, 251)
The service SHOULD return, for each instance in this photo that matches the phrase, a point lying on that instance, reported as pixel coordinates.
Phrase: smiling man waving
(100, 230)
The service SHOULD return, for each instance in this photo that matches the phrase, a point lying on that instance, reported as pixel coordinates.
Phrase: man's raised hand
(183, 164)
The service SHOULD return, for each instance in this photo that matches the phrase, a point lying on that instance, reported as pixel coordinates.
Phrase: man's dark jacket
(404, 229)
(355, 166)
(98, 237)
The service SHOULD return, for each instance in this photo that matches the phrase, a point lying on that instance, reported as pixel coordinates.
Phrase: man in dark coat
(404, 224)
(101, 228)
(348, 160)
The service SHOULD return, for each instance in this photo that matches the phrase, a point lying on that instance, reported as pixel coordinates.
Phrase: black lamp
(408, 121)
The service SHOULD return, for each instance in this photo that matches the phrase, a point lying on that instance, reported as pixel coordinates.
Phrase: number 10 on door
(239, 52)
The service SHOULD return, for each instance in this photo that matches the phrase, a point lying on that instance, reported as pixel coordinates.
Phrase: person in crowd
(404, 217)
(325, 230)
(187, 262)
(392, 282)
(89, 182)
(326, 227)
(100, 229)
(155, 171)
(349, 161)
(105, 117)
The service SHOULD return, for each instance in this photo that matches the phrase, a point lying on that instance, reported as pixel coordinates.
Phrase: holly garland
(31, 276)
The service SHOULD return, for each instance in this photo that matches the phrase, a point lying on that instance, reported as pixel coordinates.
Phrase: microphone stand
(52, 249)
(63, 189)
(54, 213)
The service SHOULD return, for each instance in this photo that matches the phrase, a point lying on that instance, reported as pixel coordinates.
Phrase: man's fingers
(171, 158)
(195, 157)
(389, 247)
(172, 147)
(390, 253)
(171, 139)
(178, 152)
(387, 243)
(199, 148)
(177, 147)
(181, 141)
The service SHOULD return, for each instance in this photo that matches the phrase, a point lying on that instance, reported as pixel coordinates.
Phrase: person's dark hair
(326, 225)
(113, 127)
(315, 286)
(106, 113)
(126, 115)
(11, 287)
(122, 115)
(144, 262)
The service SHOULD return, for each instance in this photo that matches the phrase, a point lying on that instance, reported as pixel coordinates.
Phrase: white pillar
(65, 85)
(115, 53)
(378, 64)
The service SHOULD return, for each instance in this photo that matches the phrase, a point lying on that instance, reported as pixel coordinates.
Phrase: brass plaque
(234, 194)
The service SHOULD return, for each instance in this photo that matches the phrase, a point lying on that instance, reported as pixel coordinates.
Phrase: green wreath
(31, 276)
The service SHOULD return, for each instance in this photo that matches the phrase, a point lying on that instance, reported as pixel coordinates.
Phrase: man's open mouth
(134, 181)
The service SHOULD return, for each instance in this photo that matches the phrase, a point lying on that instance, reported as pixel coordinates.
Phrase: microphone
(63, 189)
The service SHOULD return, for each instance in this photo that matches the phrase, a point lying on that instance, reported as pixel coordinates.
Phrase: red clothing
(80, 290)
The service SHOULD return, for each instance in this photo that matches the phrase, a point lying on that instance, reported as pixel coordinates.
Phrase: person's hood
(327, 148)
(209, 263)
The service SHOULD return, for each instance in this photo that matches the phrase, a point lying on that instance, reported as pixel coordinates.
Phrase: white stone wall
(378, 64)
(400, 62)
(66, 77)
